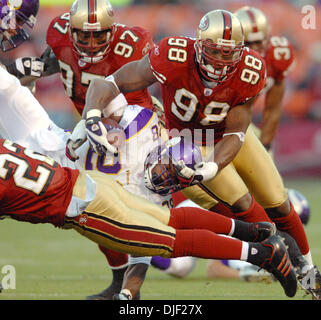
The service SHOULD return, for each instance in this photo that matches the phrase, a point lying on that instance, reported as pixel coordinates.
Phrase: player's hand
(187, 177)
(27, 66)
(77, 138)
(50, 61)
(97, 133)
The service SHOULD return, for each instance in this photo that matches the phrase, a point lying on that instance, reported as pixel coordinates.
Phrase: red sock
(115, 259)
(255, 213)
(222, 209)
(195, 218)
(206, 244)
(293, 226)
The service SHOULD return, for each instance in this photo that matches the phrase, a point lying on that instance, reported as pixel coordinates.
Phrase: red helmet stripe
(92, 11)
(227, 33)
(253, 21)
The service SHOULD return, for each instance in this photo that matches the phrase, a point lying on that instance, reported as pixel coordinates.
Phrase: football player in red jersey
(88, 44)
(278, 54)
(36, 189)
(210, 83)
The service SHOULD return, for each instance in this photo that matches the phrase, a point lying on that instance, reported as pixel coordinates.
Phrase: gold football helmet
(219, 45)
(255, 27)
(91, 28)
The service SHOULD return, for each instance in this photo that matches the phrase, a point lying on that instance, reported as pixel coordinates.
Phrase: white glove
(207, 170)
(97, 133)
(204, 171)
(77, 139)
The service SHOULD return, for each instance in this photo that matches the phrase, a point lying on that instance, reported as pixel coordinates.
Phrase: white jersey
(24, 121)
(142, 131)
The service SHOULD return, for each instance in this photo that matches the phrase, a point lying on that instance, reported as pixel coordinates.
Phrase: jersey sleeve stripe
(141, 121)
(160, 77)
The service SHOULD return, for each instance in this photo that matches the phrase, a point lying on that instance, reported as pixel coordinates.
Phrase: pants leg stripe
(211, 194)
(138, 238)
(131, 227)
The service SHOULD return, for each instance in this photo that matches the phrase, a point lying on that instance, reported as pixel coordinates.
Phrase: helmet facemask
(91, 29)
(217, 61)
(92, 46)
(161, 164)
(159, 172)
(219, 45)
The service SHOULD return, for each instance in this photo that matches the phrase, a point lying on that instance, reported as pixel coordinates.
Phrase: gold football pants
(252, 170)
(121, 221)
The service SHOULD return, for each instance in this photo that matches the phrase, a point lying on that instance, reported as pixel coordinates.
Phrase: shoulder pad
(57, 33)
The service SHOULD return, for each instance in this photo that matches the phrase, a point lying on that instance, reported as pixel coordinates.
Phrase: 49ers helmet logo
(204, 23)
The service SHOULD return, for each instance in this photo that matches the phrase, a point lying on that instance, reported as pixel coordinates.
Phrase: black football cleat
(106, 294)
(260, 231)
(280, 265)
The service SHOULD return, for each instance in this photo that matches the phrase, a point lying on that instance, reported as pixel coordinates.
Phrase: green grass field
(60, 264)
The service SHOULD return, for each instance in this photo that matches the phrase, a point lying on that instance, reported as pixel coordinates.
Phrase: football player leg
(127, 223)
(268, 188)
(265, 183)
(118, 263)
(133, 279)
(232, 190)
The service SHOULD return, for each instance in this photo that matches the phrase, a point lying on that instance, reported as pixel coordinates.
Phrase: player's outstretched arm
(133, 76)
(30, 69)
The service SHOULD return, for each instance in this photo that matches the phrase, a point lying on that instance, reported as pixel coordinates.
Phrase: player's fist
(185, 175)
(203, 171)
(27, 66)
(97, 133)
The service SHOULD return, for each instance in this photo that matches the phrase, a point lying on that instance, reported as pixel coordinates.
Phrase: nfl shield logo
(207, 92)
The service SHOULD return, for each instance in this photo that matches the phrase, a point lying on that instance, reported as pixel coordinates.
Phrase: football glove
(50, 61)
(77, 138)
(97, 133)
(28, 66)
(187, 177)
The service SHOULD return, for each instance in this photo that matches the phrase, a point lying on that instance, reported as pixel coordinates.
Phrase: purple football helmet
(300, 204)
(159, 169)
(15, 16)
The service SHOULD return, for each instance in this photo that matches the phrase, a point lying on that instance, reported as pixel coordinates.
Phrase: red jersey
(279, 57)
(188, 102)
(128, 44)
(33, 187)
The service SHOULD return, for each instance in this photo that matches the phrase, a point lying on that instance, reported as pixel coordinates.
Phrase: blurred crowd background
(298, 145)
